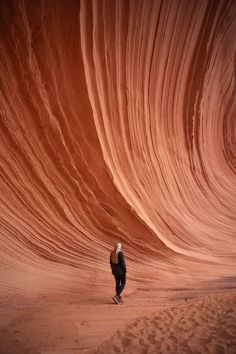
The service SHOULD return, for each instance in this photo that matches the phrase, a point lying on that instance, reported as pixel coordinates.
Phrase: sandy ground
(204, 325)
(173, 321)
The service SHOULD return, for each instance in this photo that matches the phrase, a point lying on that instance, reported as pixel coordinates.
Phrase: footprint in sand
(152, 338)
(126, 342)
(130, 335)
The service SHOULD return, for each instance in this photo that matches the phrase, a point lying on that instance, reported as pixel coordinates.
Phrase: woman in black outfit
(118, 267)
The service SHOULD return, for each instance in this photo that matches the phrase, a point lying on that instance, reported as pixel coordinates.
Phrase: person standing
(118, 268)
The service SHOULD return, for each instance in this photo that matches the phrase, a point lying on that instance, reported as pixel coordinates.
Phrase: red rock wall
(117, 122)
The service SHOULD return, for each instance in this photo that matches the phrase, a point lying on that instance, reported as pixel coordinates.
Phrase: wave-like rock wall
(117, 124)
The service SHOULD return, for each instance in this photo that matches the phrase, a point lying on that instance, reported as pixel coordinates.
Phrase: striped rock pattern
(117, 122)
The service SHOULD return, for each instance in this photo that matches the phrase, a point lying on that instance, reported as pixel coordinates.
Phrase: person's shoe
(116, 299)
(120, 299)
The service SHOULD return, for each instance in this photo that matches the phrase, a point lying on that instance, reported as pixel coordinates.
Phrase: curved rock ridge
(117, 124)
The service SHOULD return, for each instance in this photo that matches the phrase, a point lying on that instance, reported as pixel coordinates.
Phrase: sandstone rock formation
(117, 122)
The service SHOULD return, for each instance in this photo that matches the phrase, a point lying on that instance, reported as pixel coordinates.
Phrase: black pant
(120, 283)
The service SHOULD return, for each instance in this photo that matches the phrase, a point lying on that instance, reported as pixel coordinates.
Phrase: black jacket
(119, 268)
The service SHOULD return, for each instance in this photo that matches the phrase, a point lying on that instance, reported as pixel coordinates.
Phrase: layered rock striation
(117, 122)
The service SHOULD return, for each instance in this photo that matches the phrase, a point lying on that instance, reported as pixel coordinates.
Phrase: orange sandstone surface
(117, 124)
